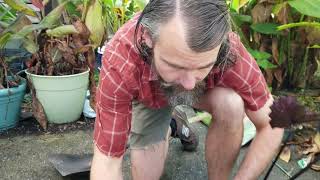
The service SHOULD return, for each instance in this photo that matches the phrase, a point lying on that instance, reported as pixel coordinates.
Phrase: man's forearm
(260, 153)
(105, 167)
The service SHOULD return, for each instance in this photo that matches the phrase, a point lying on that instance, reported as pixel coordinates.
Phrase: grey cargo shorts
(148, 126)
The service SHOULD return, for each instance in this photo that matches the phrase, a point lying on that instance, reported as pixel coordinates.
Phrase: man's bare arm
(105, 167)
(264, 146)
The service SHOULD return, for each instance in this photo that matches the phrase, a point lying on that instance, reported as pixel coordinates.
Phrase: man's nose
(188, 81)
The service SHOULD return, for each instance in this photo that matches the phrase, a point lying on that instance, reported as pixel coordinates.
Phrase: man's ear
(147, 38)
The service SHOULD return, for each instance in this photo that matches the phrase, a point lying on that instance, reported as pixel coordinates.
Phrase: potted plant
(62, 64)
(12, 91)
(12, 86)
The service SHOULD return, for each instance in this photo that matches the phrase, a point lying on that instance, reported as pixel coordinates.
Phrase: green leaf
(28, 29)
(141, 4)
(30, 45)
(52, 19)
(62, 31)
(307, 7)
(265, 64)
(262, 58)
(240, 19)
(4, 39)
(72, 9)
(265, 28)
(108, 3)
(237, 4)
(21, 7)
(259, 55)
(7, 14)
(4, 25)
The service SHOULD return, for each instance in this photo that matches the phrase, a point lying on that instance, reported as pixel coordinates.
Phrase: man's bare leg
(224, 136)
(149, 163)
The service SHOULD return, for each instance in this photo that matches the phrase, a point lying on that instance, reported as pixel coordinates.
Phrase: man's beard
(177, 95)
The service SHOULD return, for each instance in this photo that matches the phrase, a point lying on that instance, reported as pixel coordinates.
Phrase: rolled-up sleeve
(245, 77)
(113, 120)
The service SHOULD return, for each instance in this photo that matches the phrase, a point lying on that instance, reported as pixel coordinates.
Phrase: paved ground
(26, 157)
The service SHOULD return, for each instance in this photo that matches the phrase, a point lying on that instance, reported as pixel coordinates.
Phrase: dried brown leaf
(269, 76)
(313, 35)
(315, 167)
(83, 36)
(278, 74)
(67, 53)
(261, 12)
(83, 49)
(275, 50)
(317, 140)
(282, 15)
(285, 154)
(313, 149)
(92, 83)
(37, 108)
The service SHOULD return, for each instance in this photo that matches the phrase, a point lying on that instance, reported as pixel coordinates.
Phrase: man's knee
(226, 105)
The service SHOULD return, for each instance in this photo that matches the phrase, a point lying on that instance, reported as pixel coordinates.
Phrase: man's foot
(181, 130)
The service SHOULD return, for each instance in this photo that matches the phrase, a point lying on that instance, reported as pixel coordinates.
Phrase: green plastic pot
(10, 102)
(62, 97)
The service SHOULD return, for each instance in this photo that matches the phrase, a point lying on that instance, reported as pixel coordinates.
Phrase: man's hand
(287, 111)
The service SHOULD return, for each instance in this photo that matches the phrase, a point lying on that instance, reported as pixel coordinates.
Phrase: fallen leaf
(81, 122)
(317, 140)
(285, 154)
(315, 167)
(313, 149)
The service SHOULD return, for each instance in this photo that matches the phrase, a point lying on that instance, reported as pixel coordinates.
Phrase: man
(180, 52)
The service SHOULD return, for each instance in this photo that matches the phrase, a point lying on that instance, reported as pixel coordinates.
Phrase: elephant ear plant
(62, 43)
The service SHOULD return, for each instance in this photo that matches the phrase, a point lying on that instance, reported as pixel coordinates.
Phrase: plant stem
(85, 9)
(291, 25)
(302, 72)
(290, 64)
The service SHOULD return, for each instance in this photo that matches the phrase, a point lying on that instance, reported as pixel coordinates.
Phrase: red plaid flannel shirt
(125, 76)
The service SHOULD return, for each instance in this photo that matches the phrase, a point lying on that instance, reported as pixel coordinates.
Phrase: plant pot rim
(46, 76)
(14, 90)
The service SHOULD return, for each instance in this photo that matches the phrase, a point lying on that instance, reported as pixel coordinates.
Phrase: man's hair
(207, 25)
